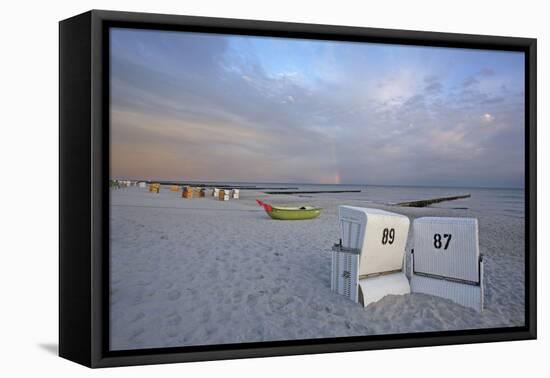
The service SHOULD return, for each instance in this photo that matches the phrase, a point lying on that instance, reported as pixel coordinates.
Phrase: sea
(490, 201)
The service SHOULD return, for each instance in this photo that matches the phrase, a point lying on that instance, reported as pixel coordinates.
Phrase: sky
(211, 107)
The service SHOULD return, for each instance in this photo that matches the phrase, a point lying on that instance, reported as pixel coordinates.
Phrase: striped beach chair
(368, 262)
(445, 260)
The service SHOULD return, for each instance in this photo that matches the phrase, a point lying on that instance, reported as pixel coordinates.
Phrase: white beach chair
(235, 193)
(215, 192)
(445, 260)
(367, 264)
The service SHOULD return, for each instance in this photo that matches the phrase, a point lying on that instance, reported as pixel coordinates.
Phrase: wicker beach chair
(223, 195)
(368, 263)
(445, 260)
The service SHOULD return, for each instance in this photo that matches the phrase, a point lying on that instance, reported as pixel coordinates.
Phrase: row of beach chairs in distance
(225, 194)
(189, 192)
(369, 261)
(117, 184)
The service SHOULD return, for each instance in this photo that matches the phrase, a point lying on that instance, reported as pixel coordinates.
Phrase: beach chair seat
(445, 260)
(367, 263)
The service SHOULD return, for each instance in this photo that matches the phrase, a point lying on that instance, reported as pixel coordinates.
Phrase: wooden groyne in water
(428, 202)
(314, 192)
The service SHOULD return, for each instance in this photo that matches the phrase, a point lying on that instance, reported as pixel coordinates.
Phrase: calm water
(507, 202)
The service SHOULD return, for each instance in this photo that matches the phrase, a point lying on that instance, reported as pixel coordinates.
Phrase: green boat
(290, 213)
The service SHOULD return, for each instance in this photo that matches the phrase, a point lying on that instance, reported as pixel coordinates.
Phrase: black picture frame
(84, 190)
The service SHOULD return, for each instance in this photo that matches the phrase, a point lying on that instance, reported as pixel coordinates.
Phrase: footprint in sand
(206, 316)
(168, 285)
(339, 312)
(171, 332)
(238, 296)
(139, 316)
(173, 295)
(174, 320)
(279, 302)
(137, 333)
(211, 329)
(316, 306)
(138, 299)
(252, 299)
(172, 312)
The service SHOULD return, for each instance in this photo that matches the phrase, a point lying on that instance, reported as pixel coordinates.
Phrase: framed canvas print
(234, 188)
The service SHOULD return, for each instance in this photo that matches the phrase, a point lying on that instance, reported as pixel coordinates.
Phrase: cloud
(488, 117)
(434, 87)
(486, 72)
(222, 114)
(482, 76)
(395, 88)
(470, 81)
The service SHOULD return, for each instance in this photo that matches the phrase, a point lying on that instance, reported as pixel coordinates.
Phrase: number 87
(438, 243)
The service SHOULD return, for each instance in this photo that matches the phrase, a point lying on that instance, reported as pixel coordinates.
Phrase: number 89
(388, 236)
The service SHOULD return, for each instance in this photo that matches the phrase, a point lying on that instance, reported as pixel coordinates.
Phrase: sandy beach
(202, 271)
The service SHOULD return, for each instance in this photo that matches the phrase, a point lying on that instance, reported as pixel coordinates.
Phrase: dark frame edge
(100, 190)
(531, 184)
(319, 31)
(321, 348)
(75, 337)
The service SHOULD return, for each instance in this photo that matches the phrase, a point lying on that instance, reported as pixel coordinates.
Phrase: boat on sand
(290, 213)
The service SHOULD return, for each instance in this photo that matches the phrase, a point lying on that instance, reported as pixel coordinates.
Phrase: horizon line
(339, 184)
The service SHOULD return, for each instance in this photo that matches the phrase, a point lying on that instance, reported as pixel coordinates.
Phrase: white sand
(201, 271)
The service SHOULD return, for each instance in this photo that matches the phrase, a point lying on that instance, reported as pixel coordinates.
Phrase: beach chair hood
(380, 235)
